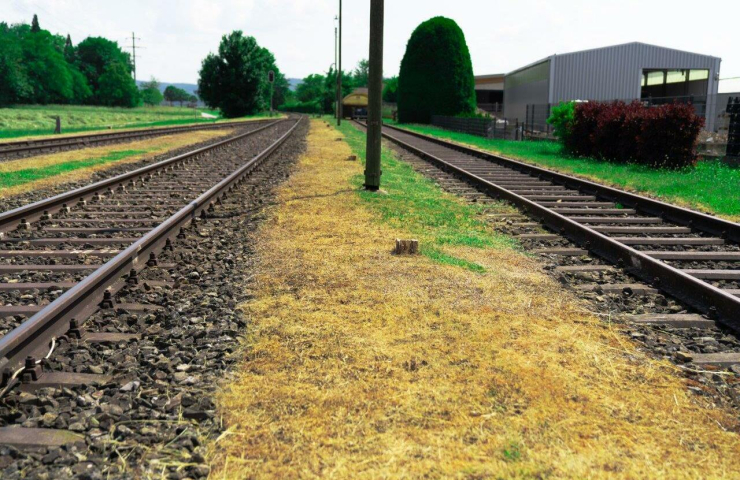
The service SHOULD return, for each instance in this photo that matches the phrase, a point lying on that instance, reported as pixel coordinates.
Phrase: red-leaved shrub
(669, 136)
(664, 136)
(581, 142)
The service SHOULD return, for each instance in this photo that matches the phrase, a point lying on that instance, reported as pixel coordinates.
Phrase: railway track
(27, 148)
(65, 258)
(691, 256)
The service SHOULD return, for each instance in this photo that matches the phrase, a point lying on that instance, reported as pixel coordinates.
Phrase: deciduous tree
(361, 73)
(116, 87)
(235, 79)
(94, 56)
(150, 93)
(390, 90)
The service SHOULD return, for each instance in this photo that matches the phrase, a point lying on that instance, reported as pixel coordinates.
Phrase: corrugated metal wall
(526, 86)
(615, 72)
(608, 73)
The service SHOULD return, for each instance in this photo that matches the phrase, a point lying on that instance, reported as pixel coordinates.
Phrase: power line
(133, 47)
(53, 17)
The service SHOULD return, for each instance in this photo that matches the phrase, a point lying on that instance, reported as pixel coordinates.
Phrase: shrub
(313, 106)
(561, 119)
(585, 118)
(617, 126)
(664, 136)
(669, 136)
(436, 76)
(486, 116)
(390, 91)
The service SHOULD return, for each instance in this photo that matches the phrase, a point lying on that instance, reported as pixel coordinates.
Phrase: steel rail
(87, 139)
(703, 296)
(32, 337)
(673, 213)
(11, 219)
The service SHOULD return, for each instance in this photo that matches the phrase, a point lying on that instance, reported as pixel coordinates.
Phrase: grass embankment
(711, 186)
(361, 364)
(33, 120)
(416, 204)
(27, 174)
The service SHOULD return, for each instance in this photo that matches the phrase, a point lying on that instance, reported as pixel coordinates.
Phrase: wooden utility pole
(337, 96)
(375, 101)
(339, 68)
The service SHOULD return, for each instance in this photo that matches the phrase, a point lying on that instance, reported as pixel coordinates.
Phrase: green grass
(416, 204)
(31, 120)
(710, 186)
(20, 177)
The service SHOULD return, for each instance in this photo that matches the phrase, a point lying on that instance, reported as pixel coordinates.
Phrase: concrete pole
(375, 101)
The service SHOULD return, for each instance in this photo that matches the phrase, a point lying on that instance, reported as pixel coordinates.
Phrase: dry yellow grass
(360, 364)
(152, 147)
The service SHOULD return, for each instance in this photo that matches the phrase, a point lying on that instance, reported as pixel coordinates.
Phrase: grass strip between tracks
(414, 203)
(361, 364)
(22, 175)
(33, 122)
(711, 186)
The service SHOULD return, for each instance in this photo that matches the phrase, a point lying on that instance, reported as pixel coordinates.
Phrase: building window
(533, 74)
(665, 83)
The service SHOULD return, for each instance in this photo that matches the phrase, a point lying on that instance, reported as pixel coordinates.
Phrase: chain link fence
(712, 108)
(482, 127)
(733, 131)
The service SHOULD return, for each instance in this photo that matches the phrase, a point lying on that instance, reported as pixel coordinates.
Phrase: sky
(501, 35)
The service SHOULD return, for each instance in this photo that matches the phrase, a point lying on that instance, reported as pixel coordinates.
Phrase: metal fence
(482, 127)
(492, 107)
(733, 134)
(713, 108)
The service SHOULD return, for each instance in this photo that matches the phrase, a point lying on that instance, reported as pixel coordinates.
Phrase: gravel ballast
(152, 418)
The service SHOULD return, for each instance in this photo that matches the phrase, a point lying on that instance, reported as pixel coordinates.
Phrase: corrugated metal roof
(490, 76)
(634, 43)
(621, 45)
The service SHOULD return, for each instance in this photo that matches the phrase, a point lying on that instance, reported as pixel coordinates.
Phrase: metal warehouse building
(621, 72)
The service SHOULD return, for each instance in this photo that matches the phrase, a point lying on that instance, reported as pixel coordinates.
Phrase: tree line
(317, 92)
(152, 95)
(37, 67)
(435, 78)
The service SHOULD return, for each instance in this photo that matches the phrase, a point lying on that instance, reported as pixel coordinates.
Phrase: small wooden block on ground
(406, 247)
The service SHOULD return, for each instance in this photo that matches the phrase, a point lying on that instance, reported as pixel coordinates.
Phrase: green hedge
(301, 107)
(436, 75)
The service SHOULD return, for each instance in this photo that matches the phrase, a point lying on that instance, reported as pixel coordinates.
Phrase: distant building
(630, 71)
(355, 104)
(489, 92)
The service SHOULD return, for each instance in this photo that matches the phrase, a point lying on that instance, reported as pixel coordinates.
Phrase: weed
(512, 452)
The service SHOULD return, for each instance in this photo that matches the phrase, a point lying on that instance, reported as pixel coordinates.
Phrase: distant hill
(192, 87)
